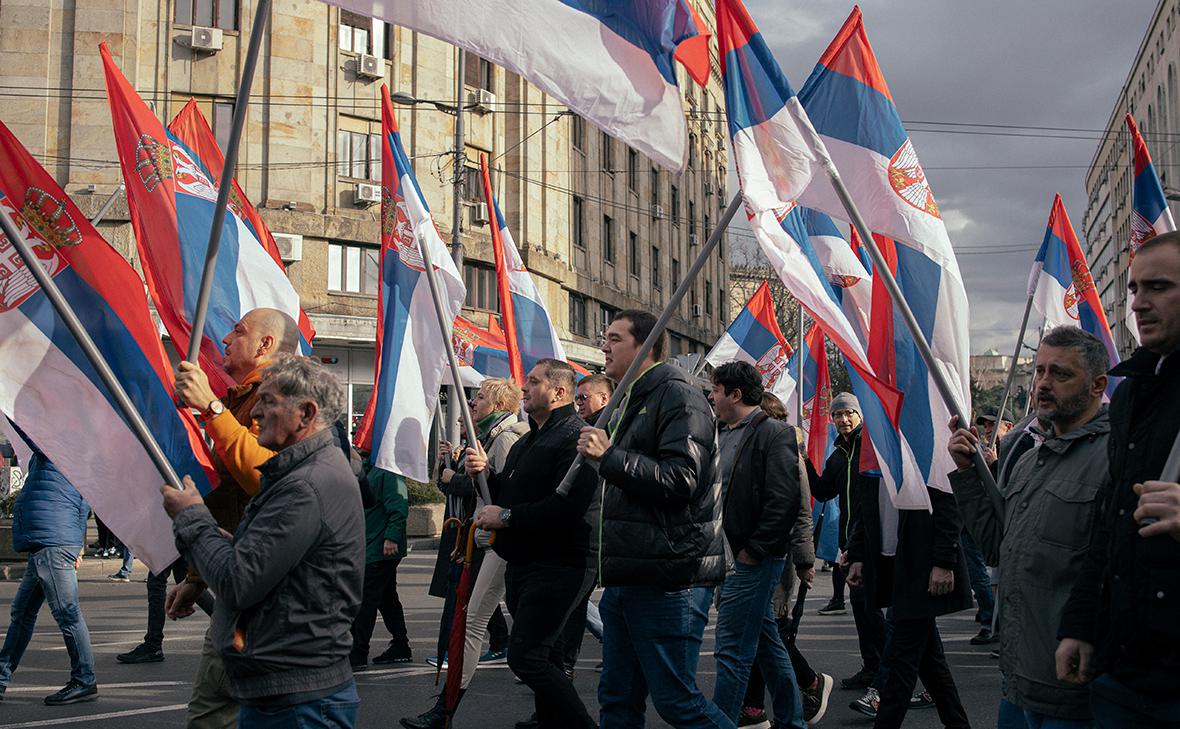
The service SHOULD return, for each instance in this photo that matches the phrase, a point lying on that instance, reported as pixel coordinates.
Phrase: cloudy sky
(1008, 62)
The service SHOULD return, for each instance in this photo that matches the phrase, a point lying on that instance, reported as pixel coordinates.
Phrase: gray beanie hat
(845, 401)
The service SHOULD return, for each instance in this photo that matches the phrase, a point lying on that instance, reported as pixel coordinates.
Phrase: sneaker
(922, 700)
(815, 699)
(395, 654)
(493, 657)
(867, 704)
(433, 661)
(859, 680)
(120, 576)
(73, 693)
(834, 607)
(751, 717)
(985, 637)
(142, 653)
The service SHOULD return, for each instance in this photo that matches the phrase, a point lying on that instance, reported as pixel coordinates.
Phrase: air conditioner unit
(483, 101)
(290, 246)
(366, 194)
(696, 311)
(708, 189)
(205, 39)
(479, 214)
(657, 212)
(369, 66)
(692, 239)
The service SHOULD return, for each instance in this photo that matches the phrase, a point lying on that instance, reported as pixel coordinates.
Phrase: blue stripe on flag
(1148, 195)
(829, 97)
(1054, 257)
(194, 217)
(397, 291)
(749, 333)
(646, 24)
(755, 88)
(532, 331)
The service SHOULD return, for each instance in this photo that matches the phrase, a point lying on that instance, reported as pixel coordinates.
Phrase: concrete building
(990, 369)
(1150, 94)
(598, 225)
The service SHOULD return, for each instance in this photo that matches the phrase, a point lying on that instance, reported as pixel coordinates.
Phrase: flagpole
(1033, 379)
(881, 269)
(196, 335)
(106, 206)
(459, 163)
(444, 326)
(66, 312)
(661, 324)
(799, 369)
(1011, 374)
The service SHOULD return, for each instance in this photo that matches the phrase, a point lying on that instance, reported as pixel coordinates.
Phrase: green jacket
(387, 518)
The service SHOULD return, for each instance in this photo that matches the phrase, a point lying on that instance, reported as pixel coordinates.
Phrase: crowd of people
(693, 504)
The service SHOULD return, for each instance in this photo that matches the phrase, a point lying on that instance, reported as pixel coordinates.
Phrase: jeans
(335, 711)
(379, 594)
(1013, 717)
(157, 593)
(49, 577)
(1117, 707)
(917, 651)
(747, 632)
(981, 583)
(652, 644)
(128, 559)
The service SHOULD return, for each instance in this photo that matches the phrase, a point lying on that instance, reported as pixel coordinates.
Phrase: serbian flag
(171, 194)
(816, 390)
(528, 331)
(1063, 289)
(411, 359)
(846, 272)
(613, 63)
(48, 386)
(755, 337)
(774, 164)
(1150, 215)
(482, 352)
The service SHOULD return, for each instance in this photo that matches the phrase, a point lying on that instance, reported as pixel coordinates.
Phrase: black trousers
(541, 598)
(838, 578)
(157, 593)
(917, 652)
(380, 594)
(870, 629)
(575, 631)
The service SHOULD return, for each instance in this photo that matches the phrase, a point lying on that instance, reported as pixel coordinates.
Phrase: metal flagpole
(799, 369)
(1033, 379)
(459, 163)
(457, 379)
(66, 312)
(817, 147)
(106, 206)
(1011, 375)
(661, 324)
(261, 15)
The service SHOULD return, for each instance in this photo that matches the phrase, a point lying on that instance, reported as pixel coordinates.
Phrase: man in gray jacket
(1040, 533)
(288, 584)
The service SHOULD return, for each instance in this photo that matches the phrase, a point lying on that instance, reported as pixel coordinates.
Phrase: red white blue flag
(171, 195)
(411, 351)
(755, 337)
(614, 63)
(819, 432)
(48, 386)
(1150, 215)
(1062, 287)
(528, 330)
(482, 352)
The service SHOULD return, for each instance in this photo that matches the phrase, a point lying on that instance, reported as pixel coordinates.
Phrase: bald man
(250, 347)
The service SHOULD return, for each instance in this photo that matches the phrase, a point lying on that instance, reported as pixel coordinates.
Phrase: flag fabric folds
(1150, 215)
(1062, 287)
(819, 433)
(171, 195)
(482, 353)
(528, 330)
(756, 338)
(612, 63)
(411, 351)
(48, 386)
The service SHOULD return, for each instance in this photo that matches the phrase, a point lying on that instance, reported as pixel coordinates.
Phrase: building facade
(1150, 94)
(598, 225)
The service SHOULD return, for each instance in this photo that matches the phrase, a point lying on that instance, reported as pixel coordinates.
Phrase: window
(358, 154)
(477, 72)
(210, 13)
(578, 228)
(708, 297)
(692, 215)
(481, 287)
(355, 33)
(675, 273)
(353, 269)
(722, 314)
(578, 131)
(708, 231)
(608, 239)
(608, 157)
(606, 314)
(218, 112)
(632, 169)
(675, 212)
(473, 184)
(578, 315)
(633, 254)
(655, 268)
(655, 187)
(692, 151)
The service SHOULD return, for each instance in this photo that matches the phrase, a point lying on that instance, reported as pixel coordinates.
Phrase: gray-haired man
(288, 584)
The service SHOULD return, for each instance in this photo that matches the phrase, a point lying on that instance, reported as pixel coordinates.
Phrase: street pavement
(154, 695)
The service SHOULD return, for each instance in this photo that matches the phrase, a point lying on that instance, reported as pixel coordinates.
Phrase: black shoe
(867, 704)
(395, 654)
(529, 723)
(2, 690)
(358, 661)
(985, 637)
(435, 718)
(834, 607)
(862, 679)
(922, 700)
(72, 693)
(142, 653)
(815, 700)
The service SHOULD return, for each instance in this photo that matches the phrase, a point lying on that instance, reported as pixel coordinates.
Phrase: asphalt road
(154, 695)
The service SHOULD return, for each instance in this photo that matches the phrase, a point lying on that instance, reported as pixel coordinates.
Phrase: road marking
(95, 717)
(104, 686)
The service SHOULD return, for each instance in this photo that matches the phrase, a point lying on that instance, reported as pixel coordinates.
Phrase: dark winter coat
(842, 478)
(49, 511)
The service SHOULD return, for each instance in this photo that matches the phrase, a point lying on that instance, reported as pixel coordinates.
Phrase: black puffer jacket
(661, 506)
(842, 478)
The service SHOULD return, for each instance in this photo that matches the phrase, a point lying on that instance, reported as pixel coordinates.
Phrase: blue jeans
(336, 711)
(747, 631)
(128, 558)
(1117, 707)
(652, 644)
(1013, 717)
(981, 582)
(49, 576)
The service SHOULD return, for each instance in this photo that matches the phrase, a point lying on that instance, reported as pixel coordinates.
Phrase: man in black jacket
(661, 536)
(545, 538)
(762, 492)
(1120, 626)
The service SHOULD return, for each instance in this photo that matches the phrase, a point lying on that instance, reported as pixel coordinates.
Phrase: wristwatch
(214, 409)
(505, 516)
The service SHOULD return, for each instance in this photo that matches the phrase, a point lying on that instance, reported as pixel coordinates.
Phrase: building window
(608, 239)
(578, 315)
(633, 253)
(608, 155)
(655, 187)
(606, 314)
(675, 273)
(481, 287)
(632, 170)
(675, 200)
(707, 231)
(655, 268)
(692, 215)
(477, 72)
(578, 131)
(354, 269)
(473, 184)
(577, 222)
(355, 32)
(219, 113)
(692, 151)
(708, 298)
(722, 314)
(210, 13)
(358, 155)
